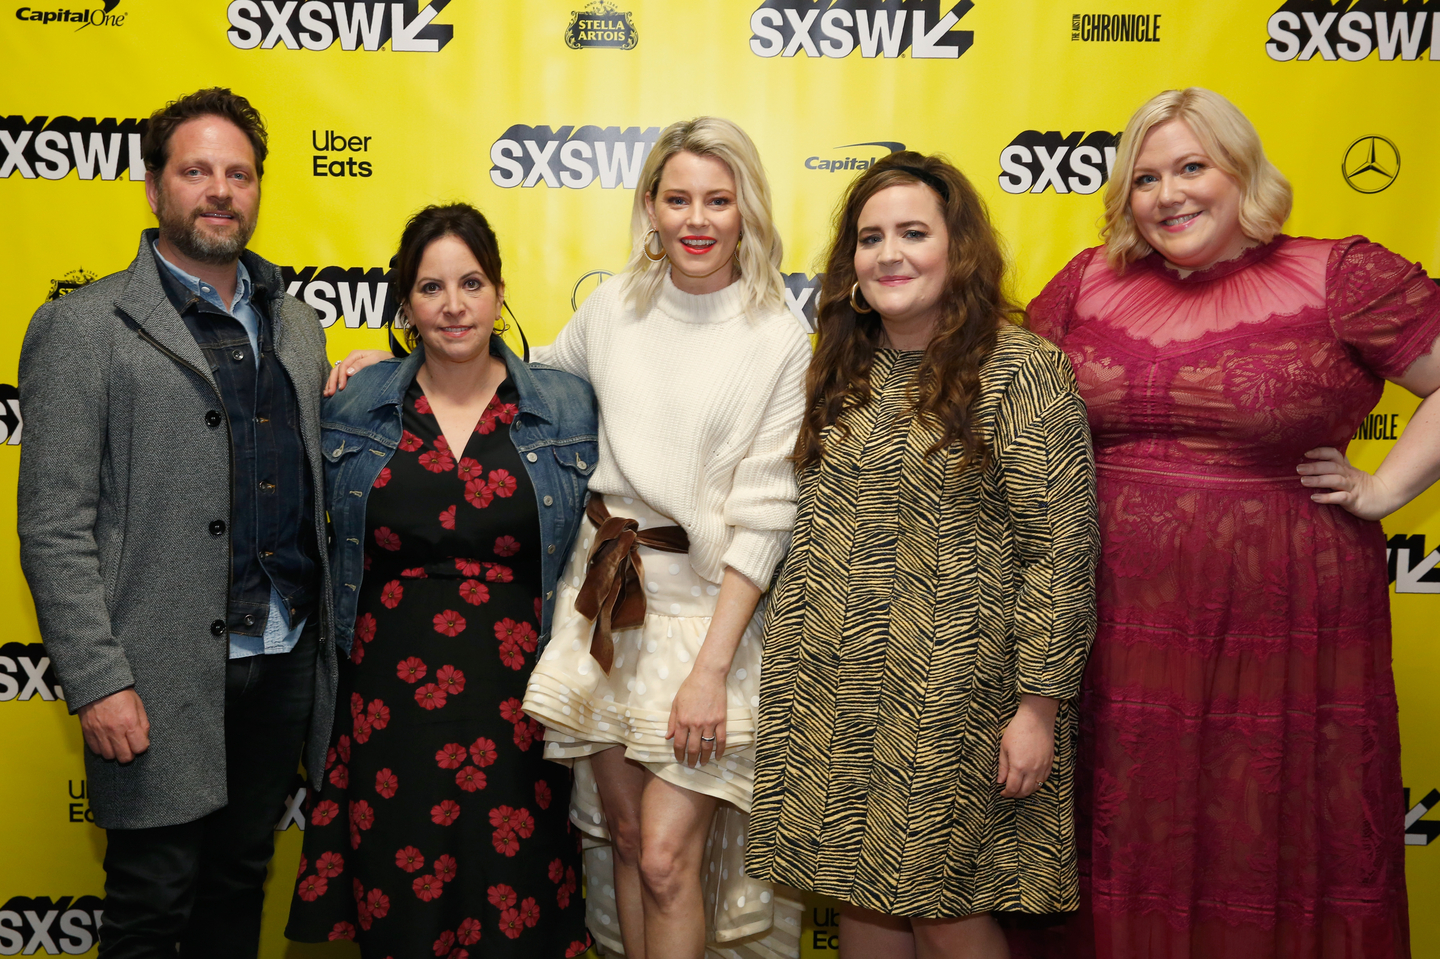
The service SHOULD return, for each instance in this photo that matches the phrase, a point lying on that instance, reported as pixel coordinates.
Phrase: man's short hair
(212, 102)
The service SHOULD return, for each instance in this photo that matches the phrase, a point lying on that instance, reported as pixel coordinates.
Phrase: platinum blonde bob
(760, 247)
(1232, 144)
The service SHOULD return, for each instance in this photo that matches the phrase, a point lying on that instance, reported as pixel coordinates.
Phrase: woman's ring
(707, 739)
(338, 362)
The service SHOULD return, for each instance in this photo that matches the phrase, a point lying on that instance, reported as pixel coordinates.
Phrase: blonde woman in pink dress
(1238, 718)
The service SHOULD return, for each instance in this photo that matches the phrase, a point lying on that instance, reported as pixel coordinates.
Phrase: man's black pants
(201, 884)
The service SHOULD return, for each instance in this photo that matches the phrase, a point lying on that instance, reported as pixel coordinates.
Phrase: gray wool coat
(120, 479)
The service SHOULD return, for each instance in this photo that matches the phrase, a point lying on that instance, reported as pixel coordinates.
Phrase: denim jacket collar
(530, 399)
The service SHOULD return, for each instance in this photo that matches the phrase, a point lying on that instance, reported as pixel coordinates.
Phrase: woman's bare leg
(622, 784)
(968, 937)
(865, 934)
(674, 825)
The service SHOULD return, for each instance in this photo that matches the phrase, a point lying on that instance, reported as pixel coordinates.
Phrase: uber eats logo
(1353, 30)
(354, 294)
(1079, 163)
(26, 673)
(573, 157)
(68, 926)
(877, 28)
(354, 24)
(51, 147)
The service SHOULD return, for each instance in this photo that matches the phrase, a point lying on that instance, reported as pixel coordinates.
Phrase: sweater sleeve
(761, 504)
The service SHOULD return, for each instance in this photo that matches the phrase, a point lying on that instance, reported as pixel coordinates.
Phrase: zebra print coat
(917, 604)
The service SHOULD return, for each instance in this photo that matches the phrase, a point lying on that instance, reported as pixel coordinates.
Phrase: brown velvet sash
(613, 594)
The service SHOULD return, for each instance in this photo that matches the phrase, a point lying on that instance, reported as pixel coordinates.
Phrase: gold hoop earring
(855, 304)
(504, 324)
(738, 242)
(645, 246)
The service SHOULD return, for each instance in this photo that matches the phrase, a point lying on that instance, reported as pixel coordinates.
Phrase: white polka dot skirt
(585, 711)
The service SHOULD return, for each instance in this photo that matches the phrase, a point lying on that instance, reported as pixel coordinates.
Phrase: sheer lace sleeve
(1381, 305)
(1051, 310)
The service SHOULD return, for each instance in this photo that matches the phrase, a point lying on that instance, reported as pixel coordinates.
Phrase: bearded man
(172, 531)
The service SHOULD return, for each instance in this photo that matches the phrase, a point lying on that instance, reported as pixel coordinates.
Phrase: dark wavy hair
(460, 220)
(973, 305)
(211, 102)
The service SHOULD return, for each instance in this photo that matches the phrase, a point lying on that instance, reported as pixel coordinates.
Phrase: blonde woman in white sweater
(650, 687)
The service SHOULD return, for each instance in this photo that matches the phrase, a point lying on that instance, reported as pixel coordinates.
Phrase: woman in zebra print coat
(926, 638)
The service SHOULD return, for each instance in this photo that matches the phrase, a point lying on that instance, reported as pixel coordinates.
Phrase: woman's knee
(625, 835)
(665, 873)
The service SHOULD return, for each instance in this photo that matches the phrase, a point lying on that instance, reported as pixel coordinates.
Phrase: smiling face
(695, 212)
(208, 196)
(901, 251)
(1185, 206)
(453, 305)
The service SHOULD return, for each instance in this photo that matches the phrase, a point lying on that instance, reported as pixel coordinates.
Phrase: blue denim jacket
(555, 434)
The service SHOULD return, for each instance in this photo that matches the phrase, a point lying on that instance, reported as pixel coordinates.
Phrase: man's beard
(184, 231)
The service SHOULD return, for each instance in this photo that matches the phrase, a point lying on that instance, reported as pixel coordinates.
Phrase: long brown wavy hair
(973, 305)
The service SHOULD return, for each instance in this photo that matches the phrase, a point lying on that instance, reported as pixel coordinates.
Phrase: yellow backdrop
(540, 112)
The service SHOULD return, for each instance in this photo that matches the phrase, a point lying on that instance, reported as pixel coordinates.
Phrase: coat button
(213, 419)
(238, 355)
(579, 462)
(549, 501)
(549, 594)
(217, 527)
(217, 628)
(249, 619)
(550, 548)
(531, 457)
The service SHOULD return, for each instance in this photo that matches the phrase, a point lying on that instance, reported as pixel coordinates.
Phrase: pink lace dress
(1239, 793)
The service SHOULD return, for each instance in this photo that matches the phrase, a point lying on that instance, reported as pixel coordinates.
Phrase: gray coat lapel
(144, 301)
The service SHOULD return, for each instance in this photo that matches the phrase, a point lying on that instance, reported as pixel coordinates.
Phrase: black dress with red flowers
(440, 829)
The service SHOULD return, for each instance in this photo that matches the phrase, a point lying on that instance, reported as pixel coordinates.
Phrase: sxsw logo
(1396, 30)
(878, 28)
(354, 294)
(573, 157)
(1412, 569)
(66, 926)
(1079, 163)
(11, 423)
(356, 24)
(801, 292)
(25, 672)
(51, 147)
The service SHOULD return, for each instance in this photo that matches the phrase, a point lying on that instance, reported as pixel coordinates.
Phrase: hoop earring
(738, 243)
(504, 326)
(645, 246)
(855, 304)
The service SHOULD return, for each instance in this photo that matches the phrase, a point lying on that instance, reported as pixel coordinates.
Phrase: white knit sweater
(699, 409)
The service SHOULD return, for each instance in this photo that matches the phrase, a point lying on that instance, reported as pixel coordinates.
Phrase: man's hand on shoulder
(116, 727)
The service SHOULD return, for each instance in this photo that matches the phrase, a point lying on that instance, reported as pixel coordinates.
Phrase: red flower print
(357, 652)
(524, 736)
(504, 412)
(447, 517)
(526, 636)
(451, 680)
(385, 538)
(340, 777)
(437, 460)
(530, 912)
(391, 594)
(342, 930)
(506, 629)
(542, 798)
(330, 757)
(502, 817)
(330, 864)
(386, 782)
(446, 813)
(362, 729)
(562, 897)
(365, 627)
(487, 421)
(325, 812)
(570, 881)
(411, 670)
(501, 896)
(409, 859)
(468, 567)
(468, 470)
(357, 706)
(469, 932)
(409, 442)
(524, 823)
(450, 756)
(383, 478)
(364, 914)
(503, 483)
(304, 864)
(496, 573)
(354, 837)
(511, 655)
(357, 890)
(427, 887)
(449, 623)
(577, 948)
(445, 868)
(414, 572)
(430, 696)
(556, 871)
(422, 405)
(483, 752)
(505, 842)
(379, 903)
(537, 609)
(368, 559)
(470, 779)
(362, 814)
(511, 924)
(445, 943)
(378, 714)
(343, 743)
(311, 888)
(507, 546)
(474, 592)
(510, 710)
(458, 953)
(479, 494)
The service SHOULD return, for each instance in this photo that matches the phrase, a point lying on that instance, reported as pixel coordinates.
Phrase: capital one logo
(354, 24)
(67, 926)
(877, 28)
(1304, 29)
(51, 147)
(354, 294)
(572, 157)
(1034, 162)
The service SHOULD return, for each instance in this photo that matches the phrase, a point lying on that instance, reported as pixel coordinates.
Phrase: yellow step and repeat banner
(541, 112)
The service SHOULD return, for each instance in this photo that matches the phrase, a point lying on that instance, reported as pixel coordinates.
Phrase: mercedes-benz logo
(585, 285)
(1371, 164)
